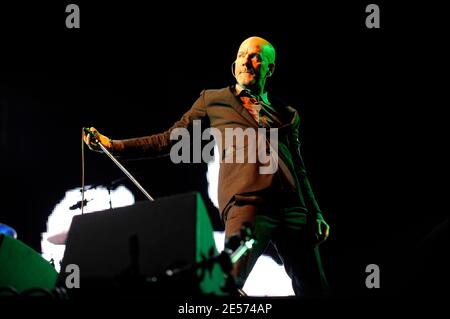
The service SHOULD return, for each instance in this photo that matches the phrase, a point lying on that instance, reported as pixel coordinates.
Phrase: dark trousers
(291, 234)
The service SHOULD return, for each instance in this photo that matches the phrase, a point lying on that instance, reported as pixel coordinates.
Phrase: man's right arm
(156, 144)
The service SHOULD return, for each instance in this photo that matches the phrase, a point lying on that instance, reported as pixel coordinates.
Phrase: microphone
(78, 204)
(89, 132)
(232, 68)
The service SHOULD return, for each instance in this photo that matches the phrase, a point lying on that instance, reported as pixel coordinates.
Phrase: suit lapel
(235, 103)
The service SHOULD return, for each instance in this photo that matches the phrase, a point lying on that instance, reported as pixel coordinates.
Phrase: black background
(366, 97)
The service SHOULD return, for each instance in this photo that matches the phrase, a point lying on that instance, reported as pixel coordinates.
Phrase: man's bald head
(255, 62)
(265, 45)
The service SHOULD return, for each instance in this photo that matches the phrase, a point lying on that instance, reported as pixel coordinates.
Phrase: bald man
(279, 205)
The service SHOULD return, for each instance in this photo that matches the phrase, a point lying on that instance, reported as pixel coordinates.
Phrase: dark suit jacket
(222, 109)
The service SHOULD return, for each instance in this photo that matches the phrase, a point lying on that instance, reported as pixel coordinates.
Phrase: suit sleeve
(302, 175)
(159, 144)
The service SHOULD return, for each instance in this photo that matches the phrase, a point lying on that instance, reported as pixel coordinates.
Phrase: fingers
(94, 133)
(94, 138)
(87, 138)
(326, 229)
(323, 231)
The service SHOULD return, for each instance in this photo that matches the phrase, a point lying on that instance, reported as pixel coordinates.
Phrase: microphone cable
(82, 171)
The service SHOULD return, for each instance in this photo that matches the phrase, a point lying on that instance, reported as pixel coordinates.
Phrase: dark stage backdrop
(365, 97)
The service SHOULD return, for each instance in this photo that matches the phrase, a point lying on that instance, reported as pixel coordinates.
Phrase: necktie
(252, 105)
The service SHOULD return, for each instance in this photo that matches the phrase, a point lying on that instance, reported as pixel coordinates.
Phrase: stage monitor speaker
(22, 268)
(148, 238)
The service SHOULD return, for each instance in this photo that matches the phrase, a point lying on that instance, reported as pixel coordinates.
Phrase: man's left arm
(322, 227)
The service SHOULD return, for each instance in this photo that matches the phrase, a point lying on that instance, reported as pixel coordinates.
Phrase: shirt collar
(263, 97)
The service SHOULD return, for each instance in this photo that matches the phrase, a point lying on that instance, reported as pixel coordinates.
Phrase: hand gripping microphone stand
(95, 139)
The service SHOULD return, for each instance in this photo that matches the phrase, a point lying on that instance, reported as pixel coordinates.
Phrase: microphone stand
(93, 136)
(108, 187)
(226, 259)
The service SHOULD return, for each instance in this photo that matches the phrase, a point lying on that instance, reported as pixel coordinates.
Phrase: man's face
(253, 63)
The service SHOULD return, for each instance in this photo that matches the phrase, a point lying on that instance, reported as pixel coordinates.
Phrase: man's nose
(247, 61)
